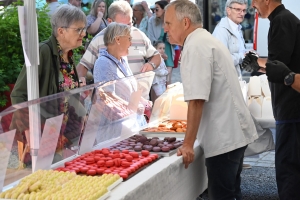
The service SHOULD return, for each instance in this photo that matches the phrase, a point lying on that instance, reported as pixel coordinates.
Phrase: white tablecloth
(265, 140)
(266, 123)
(166, 179)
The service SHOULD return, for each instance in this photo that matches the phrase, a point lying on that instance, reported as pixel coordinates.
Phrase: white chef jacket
(208, 73)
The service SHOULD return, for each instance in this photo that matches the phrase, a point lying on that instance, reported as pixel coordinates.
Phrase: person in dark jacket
(56, 73)
(284, 46)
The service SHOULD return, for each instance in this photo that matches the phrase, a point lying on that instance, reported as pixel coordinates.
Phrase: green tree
(11, 50)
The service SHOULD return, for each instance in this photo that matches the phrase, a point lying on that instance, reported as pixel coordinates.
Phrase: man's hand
(276, 71)
(147, 67)
(187, 153)
(249, 63)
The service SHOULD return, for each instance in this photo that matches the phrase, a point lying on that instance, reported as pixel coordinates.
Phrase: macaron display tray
(161, 136)
(143, 167)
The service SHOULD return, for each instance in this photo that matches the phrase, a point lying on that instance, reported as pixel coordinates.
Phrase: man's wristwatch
(289, 79)
(153, 65)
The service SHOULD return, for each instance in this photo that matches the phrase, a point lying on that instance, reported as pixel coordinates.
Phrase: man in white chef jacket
(217, 114)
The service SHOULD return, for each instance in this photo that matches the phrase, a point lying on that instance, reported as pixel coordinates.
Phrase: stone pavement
(266, 159)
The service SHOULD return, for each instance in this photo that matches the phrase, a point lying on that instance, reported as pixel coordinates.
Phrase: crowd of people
(149, 26)
(210, 71)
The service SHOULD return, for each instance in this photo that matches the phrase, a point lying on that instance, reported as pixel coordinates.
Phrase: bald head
(265, 8)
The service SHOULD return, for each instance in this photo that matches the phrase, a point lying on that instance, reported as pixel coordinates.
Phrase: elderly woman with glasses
(229, 31)
(96, 21)
(57, 71)
(141, 15)
(111, 66)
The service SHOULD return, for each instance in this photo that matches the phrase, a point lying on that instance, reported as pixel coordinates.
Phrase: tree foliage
(11, 51)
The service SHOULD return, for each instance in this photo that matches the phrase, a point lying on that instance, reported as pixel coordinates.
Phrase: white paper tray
(105, 196)
(165, 154)
(163, 134)
(115, 184)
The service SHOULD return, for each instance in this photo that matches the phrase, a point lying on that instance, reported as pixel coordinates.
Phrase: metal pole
(32, 77)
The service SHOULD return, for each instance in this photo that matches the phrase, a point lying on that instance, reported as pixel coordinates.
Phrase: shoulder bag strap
(120, 70)
(116, 64)
(104, 22)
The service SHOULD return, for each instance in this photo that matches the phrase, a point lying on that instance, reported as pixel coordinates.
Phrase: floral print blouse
(67, 77)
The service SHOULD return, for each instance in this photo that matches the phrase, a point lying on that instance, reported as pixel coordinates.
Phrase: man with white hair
(140, 50)
(217, 114)
(229, 31)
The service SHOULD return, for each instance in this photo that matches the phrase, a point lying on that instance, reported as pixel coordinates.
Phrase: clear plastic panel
(162, 108)
(72, 122)
(48, 142)
(6, 141)
(64, 112)
(117, 111)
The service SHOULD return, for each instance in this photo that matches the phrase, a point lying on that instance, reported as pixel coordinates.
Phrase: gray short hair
(119, 7)
(186, 8)
(141, 8)
(114, 30)
(65, 15)
(230, 2)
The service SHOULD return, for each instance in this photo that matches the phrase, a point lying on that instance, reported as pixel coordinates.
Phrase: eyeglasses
(78, 30)
(128, 36)
(239, 10)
